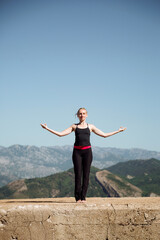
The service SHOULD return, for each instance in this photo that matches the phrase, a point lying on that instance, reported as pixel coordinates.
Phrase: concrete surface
(97, 219)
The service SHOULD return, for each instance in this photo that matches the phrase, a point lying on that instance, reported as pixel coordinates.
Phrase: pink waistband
(82, 147)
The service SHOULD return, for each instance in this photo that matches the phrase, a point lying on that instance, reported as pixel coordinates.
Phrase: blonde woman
(82, 151)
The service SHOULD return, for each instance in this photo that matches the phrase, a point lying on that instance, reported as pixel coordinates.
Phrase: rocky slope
(116, 186)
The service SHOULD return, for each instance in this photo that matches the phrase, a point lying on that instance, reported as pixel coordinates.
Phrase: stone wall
(97, 219)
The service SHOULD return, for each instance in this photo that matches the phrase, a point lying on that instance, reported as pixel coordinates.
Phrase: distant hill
(56, 185)
(6, 179)
(144, 174)
(20, 161)
(102, 184)
(133, 178)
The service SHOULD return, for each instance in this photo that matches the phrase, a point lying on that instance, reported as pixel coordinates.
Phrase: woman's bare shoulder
(91, 126)
(74, 125)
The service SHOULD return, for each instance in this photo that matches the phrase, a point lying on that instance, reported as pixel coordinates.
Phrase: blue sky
(57, 56)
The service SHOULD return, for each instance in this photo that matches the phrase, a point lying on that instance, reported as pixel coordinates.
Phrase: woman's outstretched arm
(102, 134)
(60, 134)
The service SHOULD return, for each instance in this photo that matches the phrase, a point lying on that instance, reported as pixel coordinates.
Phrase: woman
(82, 152)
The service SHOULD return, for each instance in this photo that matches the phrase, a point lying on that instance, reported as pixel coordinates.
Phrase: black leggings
(82, 160)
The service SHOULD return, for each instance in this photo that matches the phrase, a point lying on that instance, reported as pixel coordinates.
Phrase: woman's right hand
(44, 126)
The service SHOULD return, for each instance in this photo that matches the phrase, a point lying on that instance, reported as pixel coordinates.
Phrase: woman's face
(82, 115)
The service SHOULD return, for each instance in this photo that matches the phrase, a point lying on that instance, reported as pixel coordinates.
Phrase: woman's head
(82, 114)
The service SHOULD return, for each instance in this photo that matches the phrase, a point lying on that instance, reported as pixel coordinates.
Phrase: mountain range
(24, 161)
(134, 178)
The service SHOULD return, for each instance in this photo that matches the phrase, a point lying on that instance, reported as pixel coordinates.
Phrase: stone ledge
(97, 219)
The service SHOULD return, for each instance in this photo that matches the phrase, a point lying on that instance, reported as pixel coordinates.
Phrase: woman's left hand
(121, 129)
(44, 126)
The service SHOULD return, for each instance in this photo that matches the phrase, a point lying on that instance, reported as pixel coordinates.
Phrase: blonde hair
(79, 111)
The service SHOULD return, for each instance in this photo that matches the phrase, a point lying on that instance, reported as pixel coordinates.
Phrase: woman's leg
(77, 162)
(86, 164)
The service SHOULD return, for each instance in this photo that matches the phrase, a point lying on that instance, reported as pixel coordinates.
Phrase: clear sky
(58, 55)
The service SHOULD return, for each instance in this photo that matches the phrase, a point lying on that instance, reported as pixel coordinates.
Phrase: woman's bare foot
(78, 201)
(83, 201)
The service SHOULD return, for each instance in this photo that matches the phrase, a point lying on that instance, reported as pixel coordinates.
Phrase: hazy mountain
(19, 161)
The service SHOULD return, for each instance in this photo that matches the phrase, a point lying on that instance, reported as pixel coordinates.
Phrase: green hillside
(144, 174)
(57, 185)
